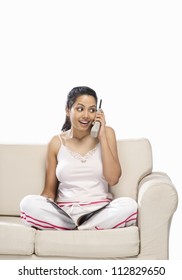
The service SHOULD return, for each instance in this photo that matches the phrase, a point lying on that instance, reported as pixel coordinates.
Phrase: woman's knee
(127, 202)
(29, 202)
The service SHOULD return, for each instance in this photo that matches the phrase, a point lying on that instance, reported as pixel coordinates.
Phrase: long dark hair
(71, 98)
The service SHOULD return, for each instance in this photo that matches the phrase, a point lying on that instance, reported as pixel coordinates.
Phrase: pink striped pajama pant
(39, 212)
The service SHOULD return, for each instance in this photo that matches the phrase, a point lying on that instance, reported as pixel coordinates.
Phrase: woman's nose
(86, 114)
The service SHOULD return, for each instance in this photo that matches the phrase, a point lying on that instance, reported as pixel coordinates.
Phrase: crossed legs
(37, 212)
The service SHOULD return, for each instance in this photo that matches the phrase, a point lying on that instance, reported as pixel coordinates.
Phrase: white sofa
(22, 171)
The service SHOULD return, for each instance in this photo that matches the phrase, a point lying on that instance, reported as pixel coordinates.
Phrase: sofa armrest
(157, 202)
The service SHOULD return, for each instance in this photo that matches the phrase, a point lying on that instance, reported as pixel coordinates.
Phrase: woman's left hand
(101, 118)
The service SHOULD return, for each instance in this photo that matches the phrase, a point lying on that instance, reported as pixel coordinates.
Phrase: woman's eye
(79, 109)
(92, 110)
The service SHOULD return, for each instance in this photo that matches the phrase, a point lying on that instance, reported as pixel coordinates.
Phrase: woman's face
(83, 112)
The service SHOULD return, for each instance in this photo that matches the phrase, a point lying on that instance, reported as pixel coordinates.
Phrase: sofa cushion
(89, 243)
(15, 238)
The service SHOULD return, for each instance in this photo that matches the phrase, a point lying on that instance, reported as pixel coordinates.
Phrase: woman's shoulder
(58, 138)
(54, 140)
(110, 131)
(55, 143)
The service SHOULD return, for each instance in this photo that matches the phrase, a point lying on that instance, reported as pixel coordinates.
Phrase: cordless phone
(95, 128)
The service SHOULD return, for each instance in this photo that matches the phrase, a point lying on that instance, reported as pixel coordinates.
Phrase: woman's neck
(77, 134)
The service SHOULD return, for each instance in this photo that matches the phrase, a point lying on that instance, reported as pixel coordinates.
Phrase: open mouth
(84, 123)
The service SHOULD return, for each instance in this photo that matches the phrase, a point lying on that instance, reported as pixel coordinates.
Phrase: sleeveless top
(81, 177)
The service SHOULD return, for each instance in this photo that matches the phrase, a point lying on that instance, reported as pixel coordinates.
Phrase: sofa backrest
(135, 156)
(22, 171)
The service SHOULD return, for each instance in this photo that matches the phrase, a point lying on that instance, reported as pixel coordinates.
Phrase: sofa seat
(88, 243)
(16, 239)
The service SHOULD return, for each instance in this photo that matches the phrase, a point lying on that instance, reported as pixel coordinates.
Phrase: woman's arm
(111, 164)
(51, 182)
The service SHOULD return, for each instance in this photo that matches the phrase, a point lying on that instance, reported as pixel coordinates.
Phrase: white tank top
(81, 177)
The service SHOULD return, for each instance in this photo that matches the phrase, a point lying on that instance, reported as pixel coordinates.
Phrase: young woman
(79, 170)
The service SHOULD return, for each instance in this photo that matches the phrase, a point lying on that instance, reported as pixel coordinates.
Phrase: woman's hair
(71, 98)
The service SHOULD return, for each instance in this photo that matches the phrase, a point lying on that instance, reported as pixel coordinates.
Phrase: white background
(129, 52)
